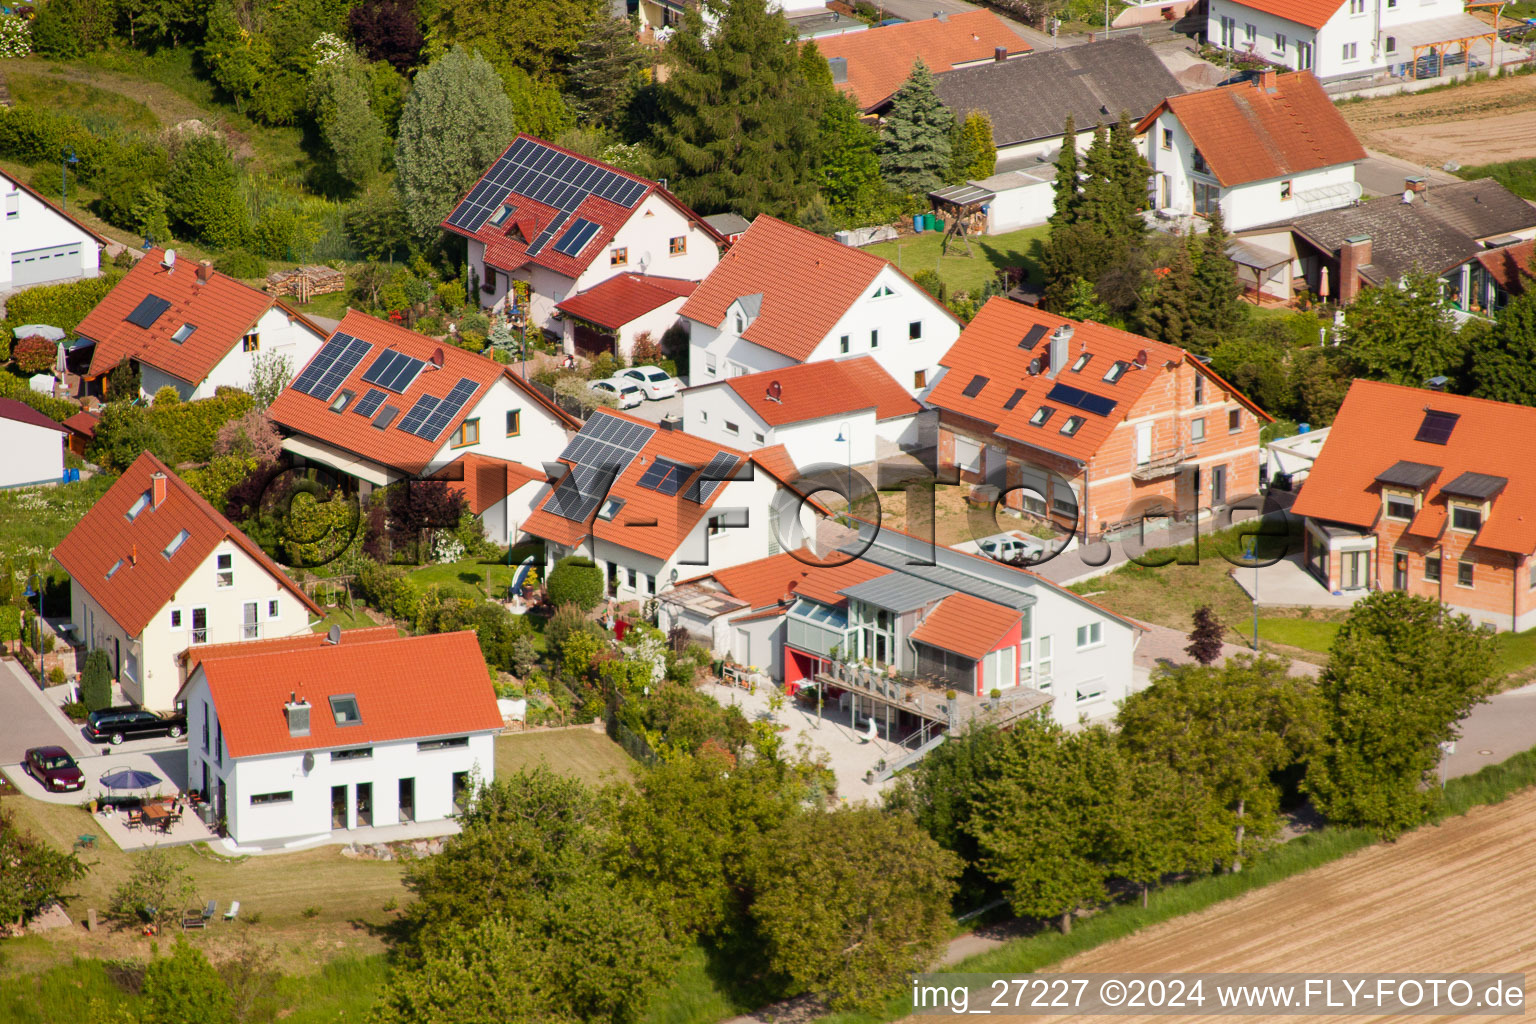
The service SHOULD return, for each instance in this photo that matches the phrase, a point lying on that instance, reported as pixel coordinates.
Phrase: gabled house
(43, 243)
(33, 445)
(382, 404)
(154, 569)
(1086, 425)
(1499, 275)
(330, 733)
(1454, 230)
(1264, 150)
(915, 621)
(1427, 493)
(562, 223)
(871, 66)
(189, 327)
(611, 315)
(783, 296)
(651, 504)
(847, 411)
(1342, 39)
(1029, 99)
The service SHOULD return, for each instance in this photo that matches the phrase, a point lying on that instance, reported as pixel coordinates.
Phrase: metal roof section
(898, 592)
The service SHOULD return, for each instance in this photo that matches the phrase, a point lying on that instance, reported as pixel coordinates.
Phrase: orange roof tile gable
(147, 579)
(1375, 428)
(813, 390)
(1311, 13)
(414, 687)
(222, 309)
(620, 299)
(967, 625)
(807, 282)
(767, 580)
(1247, 133)
(880, 59)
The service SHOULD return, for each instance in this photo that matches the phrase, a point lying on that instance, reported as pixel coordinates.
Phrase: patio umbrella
(1322, 285)
(129, 778)
(59, 366)
(40, 331)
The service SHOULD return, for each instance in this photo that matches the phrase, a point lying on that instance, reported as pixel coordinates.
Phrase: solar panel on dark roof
(1436, 427)
(1036, 332)
(1077, 398)
(974, 387)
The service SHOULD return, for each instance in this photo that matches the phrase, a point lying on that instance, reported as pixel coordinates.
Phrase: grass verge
(578, 753)
(1519, 176)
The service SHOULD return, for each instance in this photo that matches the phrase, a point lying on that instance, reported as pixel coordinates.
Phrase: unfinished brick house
(1428, 493)
(1082, 423)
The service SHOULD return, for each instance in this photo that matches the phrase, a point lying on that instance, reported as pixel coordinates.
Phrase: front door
(407, 800)
(1356, 571)
(199, 625)
(364, 804)
(338, 807)
(1399, 571)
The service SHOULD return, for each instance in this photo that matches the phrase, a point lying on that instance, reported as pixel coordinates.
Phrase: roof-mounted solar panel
(448, 409)
(540, 172)
(417, 417)
(576, 237)
(393, 370)
(147, 311)
(369, 404)
(716, 474)
(333, 364)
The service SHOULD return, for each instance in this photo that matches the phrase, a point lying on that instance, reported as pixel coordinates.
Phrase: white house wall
(33, 454)
(36, 225)
(647, 235)
(1368, 31)
(541, 435)
(1023, 207)
(276, 333)
(503, 521)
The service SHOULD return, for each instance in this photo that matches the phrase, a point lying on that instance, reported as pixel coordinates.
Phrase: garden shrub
(241, 263)
(576, 580)
(167, 395)
(34, 354)
(389, 590)
(567, 619)
(96, 681)
(59, 409)
(58, 305)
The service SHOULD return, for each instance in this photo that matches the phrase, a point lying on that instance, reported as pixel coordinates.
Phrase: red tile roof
(967, 625)
(21, 412)
(222, 309)
(194, 656)
(392, 446)
(414, 687)
(807, 283)
(507, 244)
(83, 423)
(989, 348)
(484, 480)
(649, 522)
(1311, 13)
(812, 390)
(1510, 266)
(881, 59)
(625, 297)
(146, 580)
(767, 580)
(1375, 429)
(1248, 132)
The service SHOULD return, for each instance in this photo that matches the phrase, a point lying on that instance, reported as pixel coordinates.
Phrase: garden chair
(233, 911)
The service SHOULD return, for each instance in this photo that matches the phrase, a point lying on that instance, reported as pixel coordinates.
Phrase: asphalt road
(24, 723)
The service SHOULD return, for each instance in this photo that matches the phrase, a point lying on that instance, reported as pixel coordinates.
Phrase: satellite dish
(645, 261)
(1141, 358)
(309, 762)
(1034, 367)
(437, 357)
(775, 391)
(334, 636)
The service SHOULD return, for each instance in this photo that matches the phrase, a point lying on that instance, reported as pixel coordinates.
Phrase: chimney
(169, 263)
(671, 421)
(133, 555)
(156, 489)
(297, 712)
(204, 271)
(1355, 254)
(1000, 53)
(839, 66)
(941, 15)
(1266, 80)
(1061, 337)
(1414, 184)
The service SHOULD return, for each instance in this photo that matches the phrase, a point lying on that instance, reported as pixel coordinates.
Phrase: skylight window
(176, 543)
(341, 400)
(1113, 373)
(1042, 416)
(1070, 427)
(115, 566)
(974, 387)
(139, 505)
(1082, 361)
(344, 710)
(500, 216)
(183, 333)
(610, 508)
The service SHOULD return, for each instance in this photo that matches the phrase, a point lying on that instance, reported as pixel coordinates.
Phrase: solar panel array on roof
(335, 361)
(1036, 332)
(974, 387)
(148, 311)
(413, 421)
(370, 402)
(448, 409)
(665, 476)
(715, 474)
(545, 175)
(393, 370)
(578, 494)
(1437, 426)
(576, 237)
(1077, 398)
(608, 441)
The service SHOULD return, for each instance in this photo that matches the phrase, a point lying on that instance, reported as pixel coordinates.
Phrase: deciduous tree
(1503, 362)
(1205, 639)
(184, 988)
(340, 90)
(32, 873)
(202, 191)
(387, 30)
(1403, 334)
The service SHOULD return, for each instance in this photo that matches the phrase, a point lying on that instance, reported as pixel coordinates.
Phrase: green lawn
(962, 272)
(343, 618)
(1516, 652)
(1308, 634)
(579, 753)
(1519, 176)
(469, 572)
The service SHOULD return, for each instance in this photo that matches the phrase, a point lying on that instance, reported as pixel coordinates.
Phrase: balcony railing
(200, 636)
(250, 631)
(1161, 464)
(928, 696)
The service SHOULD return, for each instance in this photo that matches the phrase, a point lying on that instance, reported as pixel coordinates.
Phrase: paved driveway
(25, 720)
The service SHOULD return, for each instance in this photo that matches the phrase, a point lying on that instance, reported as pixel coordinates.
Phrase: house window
(874, 338)
(1089, 692)
(618, 257)
(1197, 429)
(355, 754)
(1532, 583)
(920, 378)
(882, 292)
(1469, 520)
(1400, 508)
(610, 509)
(758, 437)
(1352, 50)
(1234, 420)
(342, 399)
(176, 543)
(1280, 42)
(1198, 161)
(1046, 661)
(709, 364)
(1356, 6)
(226, 564)
(716, 525)
(1207, 198)
(731, 428)
(1303, 56)
(199, 625)
(183, 333)
(285, 797)
(12, 205)
(514, 422)
(467, 434)
(1199, 389)
(1116, 368)
(741, 323)
(1071, 426)
(1089, 635)
(251, 342)
(1285, 190)
(207, 714)
(634, 579)
(1391, 44)
(1463, 574)
(1081, 361)
(272, 608)
(842, 345)
(1250, 34)
(915, 330)
(677, 246)
(344, 710)
(175, 618)
(1167, 138)
(113, 570)
(1432, 568)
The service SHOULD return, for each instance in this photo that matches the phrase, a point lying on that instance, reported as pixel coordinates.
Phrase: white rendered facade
(276, 332)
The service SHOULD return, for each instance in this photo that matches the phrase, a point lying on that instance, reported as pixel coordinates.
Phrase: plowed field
(1487, 122)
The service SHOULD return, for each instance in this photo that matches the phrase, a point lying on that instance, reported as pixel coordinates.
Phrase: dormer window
(1466, 518)
(139, 505)
(741, 325)
(1401, 507)
(183, 333)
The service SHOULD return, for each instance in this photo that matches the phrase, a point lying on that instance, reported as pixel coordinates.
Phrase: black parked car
(113, 725)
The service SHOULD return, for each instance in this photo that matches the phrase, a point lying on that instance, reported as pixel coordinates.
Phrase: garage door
(55, 263)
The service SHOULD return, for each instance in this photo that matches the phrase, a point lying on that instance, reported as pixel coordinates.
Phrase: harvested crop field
(1487, 122)
(1447, 898)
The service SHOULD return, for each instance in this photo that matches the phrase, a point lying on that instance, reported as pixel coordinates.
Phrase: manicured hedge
(576, 580)
(57, 409)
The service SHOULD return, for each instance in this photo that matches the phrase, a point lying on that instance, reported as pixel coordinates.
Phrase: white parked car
(623, 390)
(1006, 546)
(654, 381)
